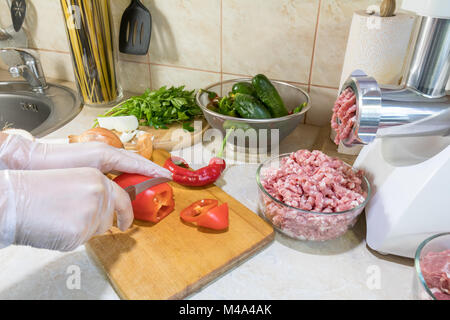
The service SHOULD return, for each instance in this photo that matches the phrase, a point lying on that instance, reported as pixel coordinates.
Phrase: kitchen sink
(38, 113)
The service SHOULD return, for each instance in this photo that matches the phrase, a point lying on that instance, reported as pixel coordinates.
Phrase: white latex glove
(18, 153)
(59, 209)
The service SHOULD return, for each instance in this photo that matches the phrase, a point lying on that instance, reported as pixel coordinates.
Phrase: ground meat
(312, 181)
(344, 109)
(435, 268)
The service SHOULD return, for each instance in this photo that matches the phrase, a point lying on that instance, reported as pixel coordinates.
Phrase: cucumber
(244, 87)
(268, 94)
(249, 107)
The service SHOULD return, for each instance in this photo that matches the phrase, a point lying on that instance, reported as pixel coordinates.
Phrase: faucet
(4, 35)
(30, 68)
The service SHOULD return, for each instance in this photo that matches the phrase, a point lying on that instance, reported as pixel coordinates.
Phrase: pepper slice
(206, 213)
(216, 218)
(153, 204)
(195, 210)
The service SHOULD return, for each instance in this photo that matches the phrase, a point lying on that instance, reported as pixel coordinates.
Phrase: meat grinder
(405, 131)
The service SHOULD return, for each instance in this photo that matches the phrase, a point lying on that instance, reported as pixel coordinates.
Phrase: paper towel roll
(378, 46)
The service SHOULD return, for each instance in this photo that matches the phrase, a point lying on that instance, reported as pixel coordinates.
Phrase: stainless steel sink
(38, 113)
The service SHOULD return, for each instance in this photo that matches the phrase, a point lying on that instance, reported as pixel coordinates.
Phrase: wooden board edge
(97, 262)
(191, 289)
(213, 275)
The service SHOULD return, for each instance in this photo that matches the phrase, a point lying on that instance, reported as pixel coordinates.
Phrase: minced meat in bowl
(432, 264)
(308, 195)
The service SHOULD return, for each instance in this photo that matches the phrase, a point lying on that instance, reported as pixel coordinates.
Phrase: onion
(143, 145)
(99, 135)
(128, 136)
(121, 124)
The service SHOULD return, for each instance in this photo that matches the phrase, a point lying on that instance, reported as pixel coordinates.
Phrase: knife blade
(134, 190)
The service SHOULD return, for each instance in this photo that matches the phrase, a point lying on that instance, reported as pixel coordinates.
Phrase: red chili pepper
(198, 178)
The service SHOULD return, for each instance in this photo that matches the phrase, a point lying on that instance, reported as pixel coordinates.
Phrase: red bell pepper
(153, 204)
(206, 213)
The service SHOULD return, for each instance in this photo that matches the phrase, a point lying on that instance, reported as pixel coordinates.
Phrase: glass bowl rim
(417, 261)
(261, 187)
(295, 115)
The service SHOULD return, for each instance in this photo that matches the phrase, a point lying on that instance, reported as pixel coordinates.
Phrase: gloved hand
(59, 209)
(18, 153)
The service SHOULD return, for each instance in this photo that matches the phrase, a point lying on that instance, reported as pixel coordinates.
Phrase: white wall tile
(186, 33)
(192, 79)
(274, 37)
(322, 101)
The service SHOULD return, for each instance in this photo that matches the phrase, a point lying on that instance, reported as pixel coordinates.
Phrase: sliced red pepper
(153, 204)
(216, 218)
(195, 210)
(206, 213)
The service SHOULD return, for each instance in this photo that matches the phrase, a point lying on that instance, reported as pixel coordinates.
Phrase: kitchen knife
(134, 190)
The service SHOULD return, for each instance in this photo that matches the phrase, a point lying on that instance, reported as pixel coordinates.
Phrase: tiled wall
(197, 42)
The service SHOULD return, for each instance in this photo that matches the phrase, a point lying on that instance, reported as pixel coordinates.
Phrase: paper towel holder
(387, 8)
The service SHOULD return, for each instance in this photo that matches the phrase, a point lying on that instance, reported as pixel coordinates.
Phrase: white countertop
(286, 269)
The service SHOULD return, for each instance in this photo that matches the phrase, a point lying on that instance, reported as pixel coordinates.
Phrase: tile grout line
(221, 46)
(314, 44)
(149, 71)
(181, 67)
(313, 51)
(323, 86)
(221, 72)
(50, 50)
(282, 80)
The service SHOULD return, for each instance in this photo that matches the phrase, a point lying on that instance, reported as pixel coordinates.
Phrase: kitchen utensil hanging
(135, 29)
(18, 12)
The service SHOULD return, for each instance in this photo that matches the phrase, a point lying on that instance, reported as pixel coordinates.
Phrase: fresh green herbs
(160, 108)
(221, 105)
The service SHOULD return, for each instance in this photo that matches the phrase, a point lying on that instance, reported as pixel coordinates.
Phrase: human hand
(18, 153)
(59, 209)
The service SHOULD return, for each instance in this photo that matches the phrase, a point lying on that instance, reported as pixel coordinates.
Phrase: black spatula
(18, 10)
(135, 29)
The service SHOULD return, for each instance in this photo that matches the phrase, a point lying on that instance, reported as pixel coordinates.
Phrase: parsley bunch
(160, 108)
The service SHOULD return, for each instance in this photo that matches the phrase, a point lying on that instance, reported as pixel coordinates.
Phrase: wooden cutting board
(171, 260)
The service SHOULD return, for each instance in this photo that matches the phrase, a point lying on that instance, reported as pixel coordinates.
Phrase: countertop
(344, 268)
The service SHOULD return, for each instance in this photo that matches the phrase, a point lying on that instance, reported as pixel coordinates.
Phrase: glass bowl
(426, 279)
(291, 95)
(302, 224)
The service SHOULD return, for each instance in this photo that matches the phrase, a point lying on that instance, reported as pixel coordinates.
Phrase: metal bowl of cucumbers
(258, 112)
